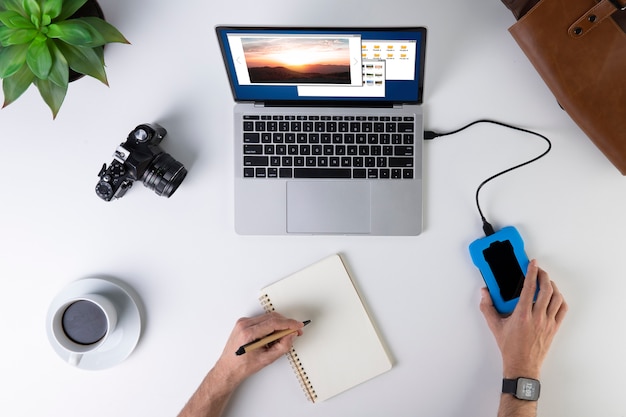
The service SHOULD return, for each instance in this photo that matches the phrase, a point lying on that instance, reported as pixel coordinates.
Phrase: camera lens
(164, 175)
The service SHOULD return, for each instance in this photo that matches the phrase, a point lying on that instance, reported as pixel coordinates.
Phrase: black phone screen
(506, 270)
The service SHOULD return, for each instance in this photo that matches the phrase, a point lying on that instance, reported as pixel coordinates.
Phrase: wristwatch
(522, 388)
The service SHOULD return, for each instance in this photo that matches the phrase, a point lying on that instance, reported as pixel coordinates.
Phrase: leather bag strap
(595, 16)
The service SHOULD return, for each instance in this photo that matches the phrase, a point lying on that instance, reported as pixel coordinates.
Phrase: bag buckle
(617, 4)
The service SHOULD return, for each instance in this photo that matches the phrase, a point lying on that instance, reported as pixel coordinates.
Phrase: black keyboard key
(251, 117)
(253, 149)
(272, 173)
(401, 162)
(407, 174)
(372, 173)
(251, 138)
(322, 173)
(405, 127)
(248, 126)
(248, 172)
(260, 173)
(403, 151)
(255, 161)
(359, 173)
(285, 173)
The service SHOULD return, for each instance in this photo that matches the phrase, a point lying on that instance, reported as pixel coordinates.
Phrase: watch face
(528, 389)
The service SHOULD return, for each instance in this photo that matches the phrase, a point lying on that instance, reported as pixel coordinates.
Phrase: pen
(266, 340)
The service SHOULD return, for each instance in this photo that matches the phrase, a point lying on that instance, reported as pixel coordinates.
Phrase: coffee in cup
(82, 324)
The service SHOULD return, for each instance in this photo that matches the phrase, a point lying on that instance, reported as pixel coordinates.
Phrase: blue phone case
(477, 249)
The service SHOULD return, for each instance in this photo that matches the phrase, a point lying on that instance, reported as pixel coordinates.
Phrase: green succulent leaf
(52, 8)
(10, 37)
(108, 31)
(85, 60)
(69, 7)
(15, 20)
(76, 32)
(15, 85)
(15, 5)
(52, 94)
(39, 58)
(12, 58)
(59, 73)
(33, 9)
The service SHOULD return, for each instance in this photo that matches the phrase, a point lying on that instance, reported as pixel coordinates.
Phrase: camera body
(141, 158)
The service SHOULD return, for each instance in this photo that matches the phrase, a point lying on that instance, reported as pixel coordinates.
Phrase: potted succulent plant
(49, 43)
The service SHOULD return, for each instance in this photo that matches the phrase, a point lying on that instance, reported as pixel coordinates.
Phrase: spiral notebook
(340, 348)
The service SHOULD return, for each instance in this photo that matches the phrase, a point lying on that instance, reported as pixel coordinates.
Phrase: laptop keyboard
(306, 146)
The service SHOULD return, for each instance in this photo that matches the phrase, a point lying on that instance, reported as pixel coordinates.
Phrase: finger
(492, 317)
(558, 307)
(528, 291)
(545, 291)
(271, 323)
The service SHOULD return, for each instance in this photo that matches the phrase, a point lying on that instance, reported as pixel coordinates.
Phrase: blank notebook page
(340, 348)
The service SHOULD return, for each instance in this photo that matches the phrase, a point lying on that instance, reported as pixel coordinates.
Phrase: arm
(231, 370)
(525, 336)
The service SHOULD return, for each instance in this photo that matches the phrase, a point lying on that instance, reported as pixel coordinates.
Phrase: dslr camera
(141, 158)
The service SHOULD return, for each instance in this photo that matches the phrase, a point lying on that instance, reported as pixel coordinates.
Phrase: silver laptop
(328, 129)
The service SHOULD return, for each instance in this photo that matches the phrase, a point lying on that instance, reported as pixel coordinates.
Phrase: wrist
(516, 371)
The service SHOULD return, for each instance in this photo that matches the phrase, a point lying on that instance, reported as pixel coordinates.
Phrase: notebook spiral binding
(292, 356)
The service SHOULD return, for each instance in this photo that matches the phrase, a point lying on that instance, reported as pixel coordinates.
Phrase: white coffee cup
(82, 324)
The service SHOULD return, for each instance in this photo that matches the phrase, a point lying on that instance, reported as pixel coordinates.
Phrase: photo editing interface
(321, 66)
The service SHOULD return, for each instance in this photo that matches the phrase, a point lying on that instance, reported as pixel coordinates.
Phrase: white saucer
(124, 338)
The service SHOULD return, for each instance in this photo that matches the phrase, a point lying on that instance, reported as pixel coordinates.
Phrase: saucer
(121, 343)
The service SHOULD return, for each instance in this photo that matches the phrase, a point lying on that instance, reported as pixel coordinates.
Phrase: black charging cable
(487, 227)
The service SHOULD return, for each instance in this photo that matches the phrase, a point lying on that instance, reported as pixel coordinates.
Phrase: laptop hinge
(361, 104)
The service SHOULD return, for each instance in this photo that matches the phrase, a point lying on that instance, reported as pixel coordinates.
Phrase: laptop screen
(377, 65)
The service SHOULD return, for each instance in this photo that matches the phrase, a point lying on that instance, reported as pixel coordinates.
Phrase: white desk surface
(196, 276)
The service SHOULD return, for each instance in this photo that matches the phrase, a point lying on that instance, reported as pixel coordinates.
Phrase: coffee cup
(82, 324)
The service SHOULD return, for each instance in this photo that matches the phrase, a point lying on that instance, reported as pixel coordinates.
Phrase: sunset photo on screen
(298, 60)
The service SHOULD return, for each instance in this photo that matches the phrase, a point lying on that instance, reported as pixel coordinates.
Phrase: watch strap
(509, 386)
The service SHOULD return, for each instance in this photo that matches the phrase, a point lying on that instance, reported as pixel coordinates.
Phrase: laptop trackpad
(328, 207)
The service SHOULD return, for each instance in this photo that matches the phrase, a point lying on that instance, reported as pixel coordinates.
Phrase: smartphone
(502, 261)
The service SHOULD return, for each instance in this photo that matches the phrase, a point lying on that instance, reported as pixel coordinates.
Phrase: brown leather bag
(579, 49)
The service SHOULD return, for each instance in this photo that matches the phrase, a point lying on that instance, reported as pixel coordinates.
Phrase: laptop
(328, 129)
